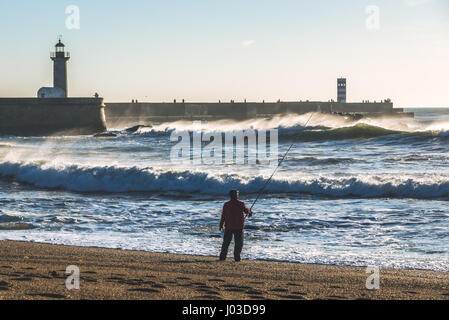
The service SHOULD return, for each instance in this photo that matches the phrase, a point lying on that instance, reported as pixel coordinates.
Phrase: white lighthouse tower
(59, 89)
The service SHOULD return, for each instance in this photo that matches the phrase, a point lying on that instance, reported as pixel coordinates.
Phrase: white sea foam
(311, 119)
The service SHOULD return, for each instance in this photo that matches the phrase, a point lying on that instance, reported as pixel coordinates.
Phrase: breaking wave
(358, 131)
(113, 179)
(319, 133)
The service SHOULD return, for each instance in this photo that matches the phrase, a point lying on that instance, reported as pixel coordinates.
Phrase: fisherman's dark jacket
(233, 216)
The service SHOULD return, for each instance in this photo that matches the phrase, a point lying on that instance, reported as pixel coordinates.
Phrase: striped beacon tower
(341, 90)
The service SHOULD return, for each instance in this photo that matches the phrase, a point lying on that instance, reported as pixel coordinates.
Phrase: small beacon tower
(60, 58)
(341, 90)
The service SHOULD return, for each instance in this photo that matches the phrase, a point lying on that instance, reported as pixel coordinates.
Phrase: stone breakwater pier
(147, 113)
(55, 116)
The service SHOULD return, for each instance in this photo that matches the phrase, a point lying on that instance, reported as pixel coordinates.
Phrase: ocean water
(368, 192)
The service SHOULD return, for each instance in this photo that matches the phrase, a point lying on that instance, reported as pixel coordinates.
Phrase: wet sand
(37, 271)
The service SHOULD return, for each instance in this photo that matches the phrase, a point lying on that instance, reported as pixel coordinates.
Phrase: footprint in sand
(298, 293)
(132, 282)
(292, 297)
(90, 272)
(4, 286)
(22, 279)
(203, 286)
(54, 274)
(209, 291)
(230, 286)
(235, 289)
(294, 284)
(254, 292)
(279, 290)
(146, 290)
(16, 274)
(118, 274)
(49, 295)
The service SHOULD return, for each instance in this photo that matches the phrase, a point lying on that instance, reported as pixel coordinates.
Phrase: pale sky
(206, 50)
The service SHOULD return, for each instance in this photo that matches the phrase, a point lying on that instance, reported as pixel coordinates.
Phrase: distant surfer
(233, 219)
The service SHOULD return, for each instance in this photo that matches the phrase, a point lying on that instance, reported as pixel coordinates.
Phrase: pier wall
(52, 116)
(142, 113)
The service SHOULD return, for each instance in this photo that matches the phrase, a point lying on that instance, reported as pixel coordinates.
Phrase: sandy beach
(37, 271)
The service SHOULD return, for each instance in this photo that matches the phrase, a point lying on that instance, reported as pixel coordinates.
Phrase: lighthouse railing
(59, 54)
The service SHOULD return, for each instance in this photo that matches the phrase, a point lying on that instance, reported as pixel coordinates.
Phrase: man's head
(234, 194)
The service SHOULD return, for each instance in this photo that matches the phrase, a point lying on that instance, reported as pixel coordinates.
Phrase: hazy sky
(205, 50)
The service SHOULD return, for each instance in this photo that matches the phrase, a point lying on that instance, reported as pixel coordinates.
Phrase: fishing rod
(279, 164)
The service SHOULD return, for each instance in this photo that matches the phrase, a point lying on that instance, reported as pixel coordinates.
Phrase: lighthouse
(341, 90)
(59, 89)
(60, 58)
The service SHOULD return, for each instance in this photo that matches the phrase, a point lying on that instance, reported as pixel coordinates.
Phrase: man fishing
(233, 218)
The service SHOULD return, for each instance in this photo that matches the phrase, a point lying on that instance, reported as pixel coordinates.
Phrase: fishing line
(279, 164)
